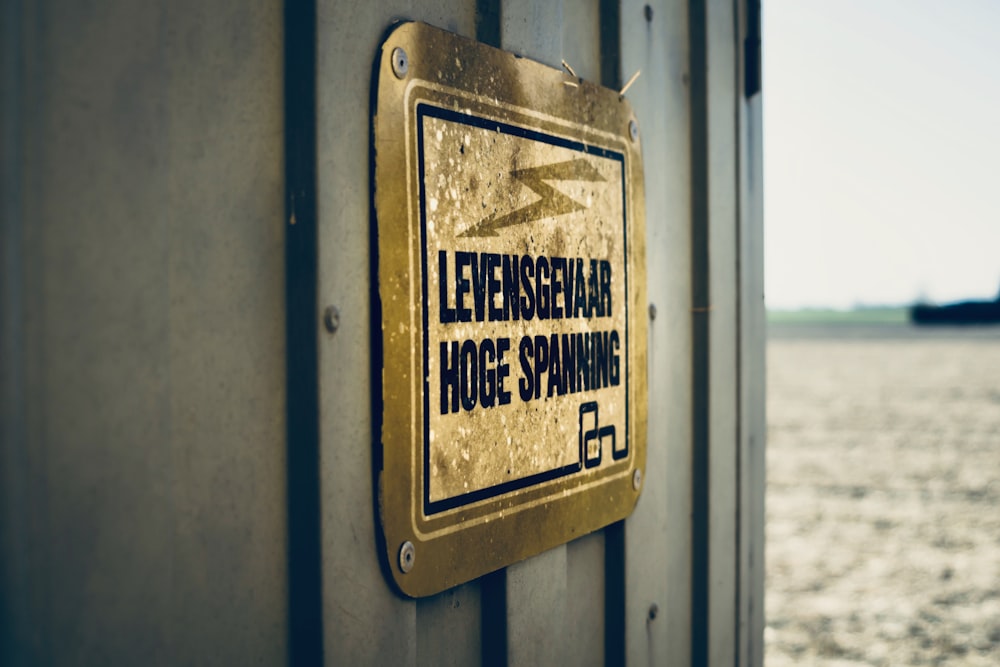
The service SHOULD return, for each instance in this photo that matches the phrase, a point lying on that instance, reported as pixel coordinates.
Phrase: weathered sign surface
(510, 236)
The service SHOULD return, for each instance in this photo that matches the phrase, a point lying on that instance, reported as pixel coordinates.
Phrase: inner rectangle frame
(425, 109)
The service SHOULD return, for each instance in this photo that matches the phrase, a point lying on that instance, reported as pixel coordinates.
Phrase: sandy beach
(883, 497)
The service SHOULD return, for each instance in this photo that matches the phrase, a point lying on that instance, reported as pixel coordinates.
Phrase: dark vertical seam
(610, 36)
(752, 51)
(614, 535)
(488, 22)
(493, 586)
(15, 543)
(493, 591)
(700, 295)
(614, 594)
(305, 627)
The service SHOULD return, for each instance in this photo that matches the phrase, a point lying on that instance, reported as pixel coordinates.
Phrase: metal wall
(143, 481)
(146, 435)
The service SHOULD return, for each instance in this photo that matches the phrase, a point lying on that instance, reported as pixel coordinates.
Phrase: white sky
(881, 151)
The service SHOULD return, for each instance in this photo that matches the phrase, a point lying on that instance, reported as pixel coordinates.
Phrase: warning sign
(508, 198)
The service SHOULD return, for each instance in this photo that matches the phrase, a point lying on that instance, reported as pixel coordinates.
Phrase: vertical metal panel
(154, 344)
(585, 563)
(227, 371)
(536, 606)
(581, 38)
(95, 539)
(458, 16)
(536, 588)
(364, 621)
(657, 535)
(732, 521)
(532, 28)
(449, 625)
(585, 601)
(753, 421)
(721, 164)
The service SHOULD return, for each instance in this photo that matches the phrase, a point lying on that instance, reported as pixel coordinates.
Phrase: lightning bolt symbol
(550, 203)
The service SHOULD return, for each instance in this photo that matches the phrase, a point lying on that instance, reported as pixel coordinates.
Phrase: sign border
(423, 554)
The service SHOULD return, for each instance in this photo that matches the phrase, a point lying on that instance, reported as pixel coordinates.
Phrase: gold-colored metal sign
(510, 222)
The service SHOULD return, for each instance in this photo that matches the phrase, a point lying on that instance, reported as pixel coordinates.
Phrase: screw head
(636, 479)
(652, 311)
(633, 130)
(331, 318)
(407, 554)
(654, 611)
(400, 63)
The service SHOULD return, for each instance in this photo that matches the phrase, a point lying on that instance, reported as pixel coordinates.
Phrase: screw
(648, 13)
(400, 63)
(652, 311)
(407, 554)
(633, 130)
(654, 611)
(331, 318)
(636, 479)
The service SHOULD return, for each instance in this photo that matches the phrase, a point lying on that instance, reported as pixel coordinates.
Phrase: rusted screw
(331, 319)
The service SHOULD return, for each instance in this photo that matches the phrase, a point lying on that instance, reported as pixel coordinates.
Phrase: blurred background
(882, 139)
(882, 124)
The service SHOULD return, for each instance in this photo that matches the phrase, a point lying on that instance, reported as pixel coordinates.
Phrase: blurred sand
(883, 497)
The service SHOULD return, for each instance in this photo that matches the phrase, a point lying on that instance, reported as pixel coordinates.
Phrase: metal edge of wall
(745, 600)
(751, 350)
(752, 342)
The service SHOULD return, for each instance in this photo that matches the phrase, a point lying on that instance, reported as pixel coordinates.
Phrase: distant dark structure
(962, 312)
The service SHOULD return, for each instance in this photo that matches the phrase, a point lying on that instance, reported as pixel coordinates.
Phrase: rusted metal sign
(510, 223)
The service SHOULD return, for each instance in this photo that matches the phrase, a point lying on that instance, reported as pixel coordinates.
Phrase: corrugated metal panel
(658, 535)
(365, 622)
(722, 171)
(536, 588)
(584, 606)
(450, 625)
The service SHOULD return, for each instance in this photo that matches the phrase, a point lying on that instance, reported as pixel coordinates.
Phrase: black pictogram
(593, 436)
